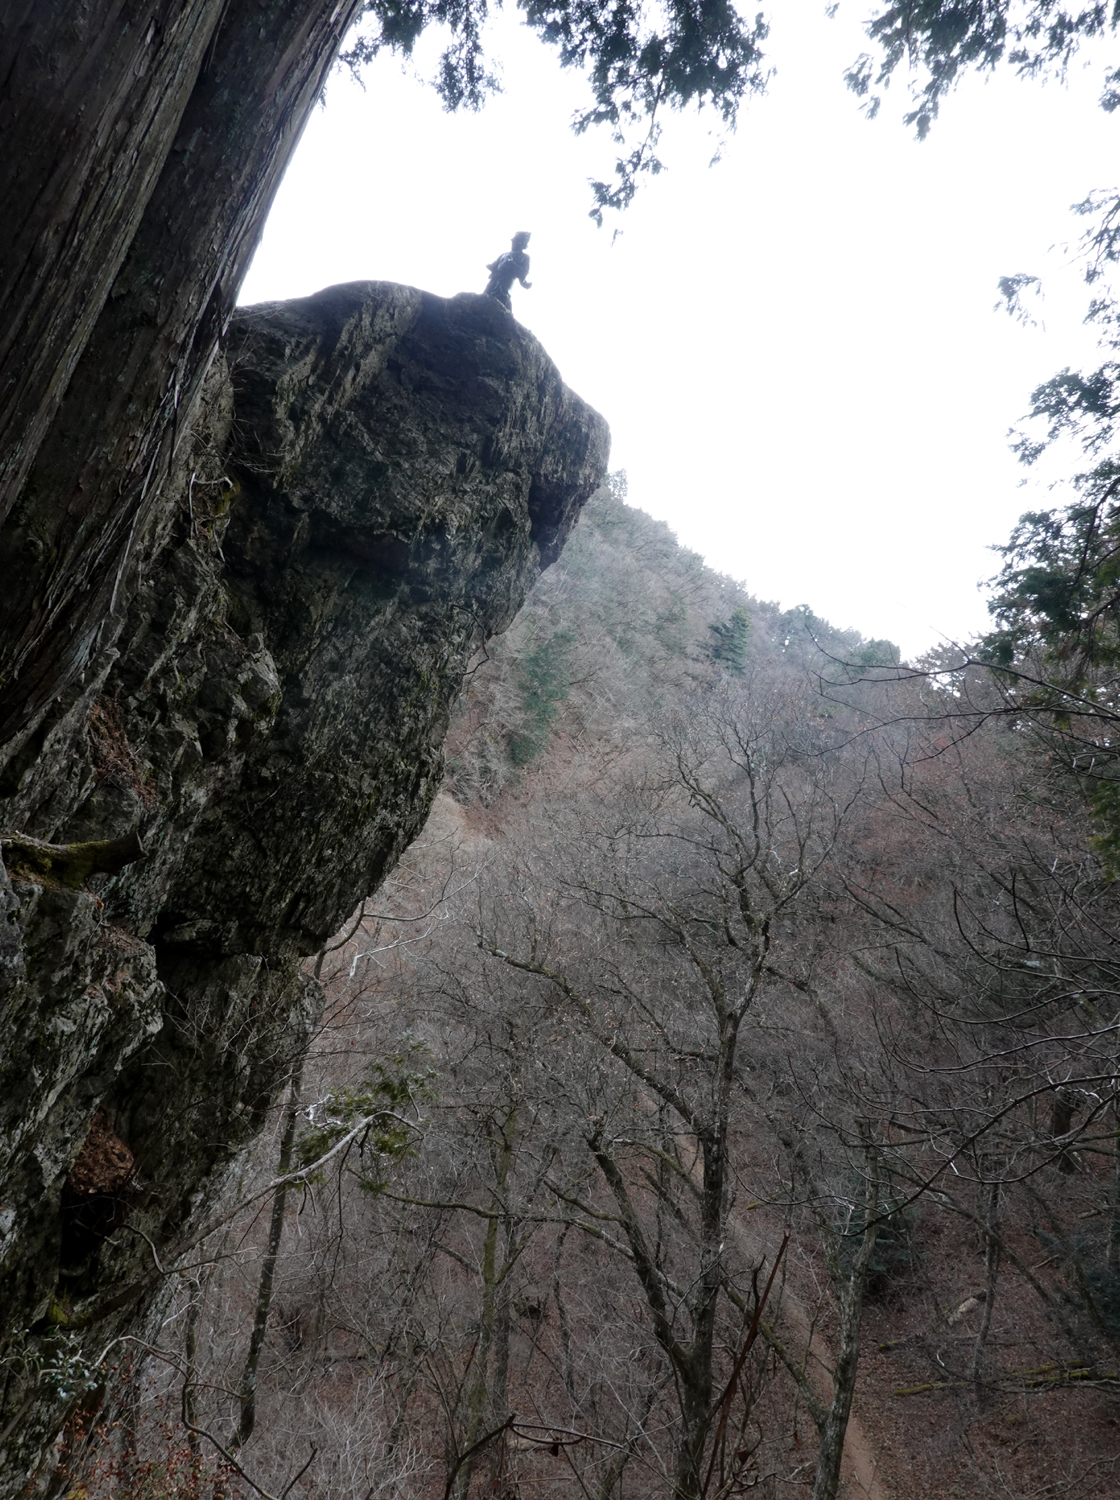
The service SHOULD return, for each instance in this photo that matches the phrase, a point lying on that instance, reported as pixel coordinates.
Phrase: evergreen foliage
(639, 60)
(1057, 643)
(940, 40)
(544, 680)
(393, 1085)
(878, 654)
(731, 639)
(625, 619)
(1058, 591)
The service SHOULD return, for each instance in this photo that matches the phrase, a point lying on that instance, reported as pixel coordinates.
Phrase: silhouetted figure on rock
(508, 268)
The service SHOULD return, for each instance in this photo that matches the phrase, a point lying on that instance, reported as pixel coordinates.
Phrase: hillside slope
(724, 951)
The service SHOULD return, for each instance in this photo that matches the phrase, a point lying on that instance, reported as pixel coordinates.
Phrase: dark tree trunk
(992, 1246)
(93, 492)
(90, 101)
(834, 1428)
(247, 1418)
(1063, 1109)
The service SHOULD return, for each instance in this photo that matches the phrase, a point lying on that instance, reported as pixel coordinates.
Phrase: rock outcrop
(376, 477)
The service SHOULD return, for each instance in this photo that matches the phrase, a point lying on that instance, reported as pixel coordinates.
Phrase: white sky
(796, 349)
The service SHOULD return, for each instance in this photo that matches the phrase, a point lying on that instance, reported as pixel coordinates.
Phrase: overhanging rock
(376, 479)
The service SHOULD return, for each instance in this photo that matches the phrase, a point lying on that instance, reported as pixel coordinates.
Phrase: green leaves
(544, 680)
(391, 1091)
(640, 59)
(1075, 405)
(938, 40)
(1057, 643)
(731, 641)
(1058, 592)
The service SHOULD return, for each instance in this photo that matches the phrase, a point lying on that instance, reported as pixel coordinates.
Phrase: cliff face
(374, 480)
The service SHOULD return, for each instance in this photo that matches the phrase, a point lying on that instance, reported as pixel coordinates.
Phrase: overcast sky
(796, 349)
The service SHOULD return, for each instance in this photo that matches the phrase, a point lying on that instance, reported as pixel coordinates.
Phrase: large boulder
(376, 478)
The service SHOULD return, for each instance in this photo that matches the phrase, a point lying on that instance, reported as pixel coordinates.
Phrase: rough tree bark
(834, 1428)
(90, 102)
(489, 1393)
(992, 1246)
(247, 1416)
(92, 495)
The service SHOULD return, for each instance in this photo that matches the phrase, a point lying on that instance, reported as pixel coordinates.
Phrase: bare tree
(664, 929)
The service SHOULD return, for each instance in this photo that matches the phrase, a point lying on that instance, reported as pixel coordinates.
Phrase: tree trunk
(612, 1477)
(92, 99)
(992, 1246)
(499, 1389)
(834, 1428)
(1063, 1108)
(1114, 1216)
(481, 1402)
(696, 1421)
(248, 1414)
(92, 495)
(567, 1363)
(190, 1371)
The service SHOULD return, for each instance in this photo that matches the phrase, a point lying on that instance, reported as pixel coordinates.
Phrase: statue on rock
(508, 268)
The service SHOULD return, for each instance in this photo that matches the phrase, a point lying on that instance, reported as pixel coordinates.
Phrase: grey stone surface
(376, 479)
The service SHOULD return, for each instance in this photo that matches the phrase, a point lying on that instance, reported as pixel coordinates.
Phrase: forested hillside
(719, 1098)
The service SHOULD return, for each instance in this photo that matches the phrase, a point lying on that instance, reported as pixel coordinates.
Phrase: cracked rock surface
(375, 480)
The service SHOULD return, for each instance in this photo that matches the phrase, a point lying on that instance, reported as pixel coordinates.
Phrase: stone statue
(508, 268)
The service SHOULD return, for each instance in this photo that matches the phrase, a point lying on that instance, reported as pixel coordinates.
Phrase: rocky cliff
(248, 738)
